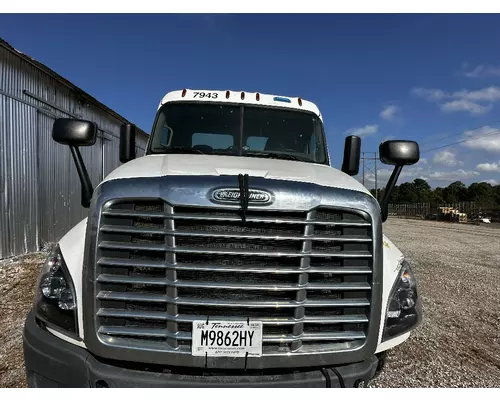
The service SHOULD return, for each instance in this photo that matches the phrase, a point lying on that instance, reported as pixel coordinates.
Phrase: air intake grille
(306, 275)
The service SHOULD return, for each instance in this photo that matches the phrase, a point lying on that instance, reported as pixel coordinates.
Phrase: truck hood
(202, 165)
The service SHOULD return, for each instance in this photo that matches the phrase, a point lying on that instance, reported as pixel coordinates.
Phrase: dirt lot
(17, 284)
(458, 345)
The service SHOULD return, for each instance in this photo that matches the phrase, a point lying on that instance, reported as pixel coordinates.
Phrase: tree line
(484, 194)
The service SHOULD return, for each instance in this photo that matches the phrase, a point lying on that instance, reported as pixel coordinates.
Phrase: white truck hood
(198, 164)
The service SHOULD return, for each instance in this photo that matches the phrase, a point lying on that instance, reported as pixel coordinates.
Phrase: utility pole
(363, 158)
(369, 169)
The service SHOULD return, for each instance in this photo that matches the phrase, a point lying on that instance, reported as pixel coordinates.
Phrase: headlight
(55, 301)
(404, 311)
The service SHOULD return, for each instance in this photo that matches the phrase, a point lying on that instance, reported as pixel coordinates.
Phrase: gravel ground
(17, 284)
(457, 345)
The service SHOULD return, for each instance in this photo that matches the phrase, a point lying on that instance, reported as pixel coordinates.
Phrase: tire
(382, 357)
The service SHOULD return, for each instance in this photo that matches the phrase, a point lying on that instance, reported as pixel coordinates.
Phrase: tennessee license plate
(227, 338)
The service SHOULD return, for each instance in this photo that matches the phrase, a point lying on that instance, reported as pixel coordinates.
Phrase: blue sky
(420, 77)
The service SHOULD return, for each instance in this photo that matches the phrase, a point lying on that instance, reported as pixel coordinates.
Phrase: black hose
(341, 380)
(327, 377)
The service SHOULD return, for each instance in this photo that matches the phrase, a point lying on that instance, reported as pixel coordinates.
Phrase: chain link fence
(465, 211)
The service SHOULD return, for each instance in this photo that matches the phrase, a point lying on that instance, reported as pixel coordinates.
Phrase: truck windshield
(251, 131)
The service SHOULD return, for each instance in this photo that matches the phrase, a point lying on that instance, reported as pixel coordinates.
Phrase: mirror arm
(384, 204)
(87, 189)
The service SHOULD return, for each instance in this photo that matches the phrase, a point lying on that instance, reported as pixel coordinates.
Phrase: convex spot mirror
(74, 132)
(127, 143)
(399, 152)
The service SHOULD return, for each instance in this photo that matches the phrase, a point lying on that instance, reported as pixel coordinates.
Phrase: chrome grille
(306, 275)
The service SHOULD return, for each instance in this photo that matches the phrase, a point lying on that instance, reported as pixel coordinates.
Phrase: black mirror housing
(74, 132)
(399, 152)
(352, 152)
(127, 143)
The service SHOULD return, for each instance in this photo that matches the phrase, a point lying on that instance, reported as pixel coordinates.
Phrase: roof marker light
(227, 94)
(184, 92)
(300, 101)
(282, 99)
(242, 95)
(257, 96)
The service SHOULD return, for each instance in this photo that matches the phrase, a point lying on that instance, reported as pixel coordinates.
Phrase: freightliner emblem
(232, 195)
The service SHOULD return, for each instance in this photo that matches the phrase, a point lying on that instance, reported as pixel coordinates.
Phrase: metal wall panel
(141, 143)
(40, 190)
(18, 178)
(111, 153)
(54, 182)
(16, 75)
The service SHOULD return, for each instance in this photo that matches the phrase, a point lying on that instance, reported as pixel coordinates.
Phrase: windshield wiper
(180, 149)
(282, 156)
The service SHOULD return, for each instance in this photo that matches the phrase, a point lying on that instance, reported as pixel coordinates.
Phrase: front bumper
(52, 362)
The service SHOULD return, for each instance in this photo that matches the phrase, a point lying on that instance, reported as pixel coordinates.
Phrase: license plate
(227, 338)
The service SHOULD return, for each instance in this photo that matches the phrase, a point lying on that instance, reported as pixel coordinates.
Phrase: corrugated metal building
(39, 185)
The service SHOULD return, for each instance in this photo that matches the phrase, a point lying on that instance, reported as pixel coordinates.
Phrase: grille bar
(122, 262)
(302, 280)
(233, 286)
(166, 248)
(143, 332)
(189, 217)
(163, 316)
(171, 276)
(346, 335)
(235, 235)
(156, 298)
(159, 333)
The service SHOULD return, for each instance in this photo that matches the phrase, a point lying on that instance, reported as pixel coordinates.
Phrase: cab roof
(228, 96)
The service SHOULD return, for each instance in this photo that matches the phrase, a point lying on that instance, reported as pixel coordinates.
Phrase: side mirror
(398, 153)
(352, 152)
(75, 133)
(127, 143)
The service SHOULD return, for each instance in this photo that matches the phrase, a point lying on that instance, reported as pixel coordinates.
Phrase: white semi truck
(231, 254)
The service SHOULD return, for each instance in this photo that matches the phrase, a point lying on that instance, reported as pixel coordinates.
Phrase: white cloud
(445, 157)
(489, 94)
(429, 94)
(364, 131)
(456, 175)
(483, 130)
(423, 160)
(489, 167)
(492, 182)
(483, 71)
(475, 102)
(465, 105)
(389, 112)
(484, 138)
